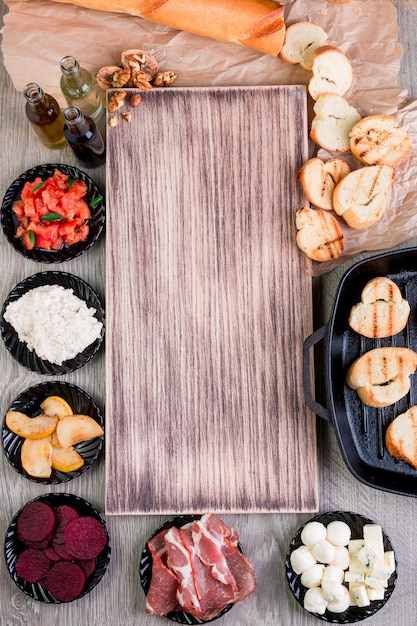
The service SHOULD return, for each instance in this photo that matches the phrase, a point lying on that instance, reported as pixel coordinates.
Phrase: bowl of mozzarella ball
(341, 567)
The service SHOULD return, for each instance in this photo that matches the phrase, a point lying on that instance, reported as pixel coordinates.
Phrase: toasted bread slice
(379, 140)
(382, 311)
(360, 197)
(382, 376)
(401, 437)
(333, 121)
(332, 72)
(319, 178)
(319, 234)
(301, 40)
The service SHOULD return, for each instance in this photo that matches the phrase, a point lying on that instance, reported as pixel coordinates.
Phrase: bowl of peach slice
(52, 432)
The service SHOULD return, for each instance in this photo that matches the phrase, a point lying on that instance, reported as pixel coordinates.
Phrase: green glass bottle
(80, 89)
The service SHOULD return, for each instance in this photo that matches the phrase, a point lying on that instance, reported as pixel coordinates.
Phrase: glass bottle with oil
(45, 116)
(80, 89)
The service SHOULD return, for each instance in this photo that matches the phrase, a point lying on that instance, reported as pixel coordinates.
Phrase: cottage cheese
(53, 322)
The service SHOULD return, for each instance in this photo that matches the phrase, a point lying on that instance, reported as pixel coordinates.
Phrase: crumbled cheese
(53, 322)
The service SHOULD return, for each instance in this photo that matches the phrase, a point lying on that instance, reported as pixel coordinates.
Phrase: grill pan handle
(308, 345)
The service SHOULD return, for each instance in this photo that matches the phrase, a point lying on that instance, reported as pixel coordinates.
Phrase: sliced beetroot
(35, 524)
(85, 537)
(64, 514)
(65, 581)
(32, 565)
(62, 552)
(51, 553)
(88, 566)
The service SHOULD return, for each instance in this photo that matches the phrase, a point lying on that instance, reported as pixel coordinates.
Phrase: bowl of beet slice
(215, 594)
(57, 548)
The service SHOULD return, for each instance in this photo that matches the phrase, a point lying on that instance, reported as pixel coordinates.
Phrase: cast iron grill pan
(361, 429)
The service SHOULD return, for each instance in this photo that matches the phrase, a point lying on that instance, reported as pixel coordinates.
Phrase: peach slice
(30, 427)
(55, 405)
(73, 429)
(66, 459)
(36, 457)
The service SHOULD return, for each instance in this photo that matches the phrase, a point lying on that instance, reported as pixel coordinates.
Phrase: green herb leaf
(31, 237)
(70, 181)
(52, 217)
(95, 201)
(38, 186)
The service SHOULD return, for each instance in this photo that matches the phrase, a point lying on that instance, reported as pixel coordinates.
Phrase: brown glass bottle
(45, 116)
(84, 137)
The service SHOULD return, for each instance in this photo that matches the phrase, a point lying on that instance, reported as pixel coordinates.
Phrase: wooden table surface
(118, 599)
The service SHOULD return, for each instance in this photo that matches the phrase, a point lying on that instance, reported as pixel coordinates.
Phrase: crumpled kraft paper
(38, 33)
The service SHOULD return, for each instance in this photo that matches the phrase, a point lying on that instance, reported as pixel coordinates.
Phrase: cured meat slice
(214, 541)
(213, 595)
(243, 574)
(162, 594)
(179, 561)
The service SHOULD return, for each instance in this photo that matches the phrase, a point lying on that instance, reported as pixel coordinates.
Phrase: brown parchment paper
(38, 33)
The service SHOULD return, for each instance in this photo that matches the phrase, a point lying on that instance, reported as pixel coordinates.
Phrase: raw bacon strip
(179, 562)
(162, 595)
(214, 596)
(214, 541)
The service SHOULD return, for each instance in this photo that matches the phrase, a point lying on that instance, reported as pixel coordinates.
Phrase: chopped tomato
(52, 213)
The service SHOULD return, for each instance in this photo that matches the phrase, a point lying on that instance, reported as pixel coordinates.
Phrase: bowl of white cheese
(341, 567)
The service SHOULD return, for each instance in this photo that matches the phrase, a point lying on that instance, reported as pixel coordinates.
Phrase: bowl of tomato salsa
(53, 213)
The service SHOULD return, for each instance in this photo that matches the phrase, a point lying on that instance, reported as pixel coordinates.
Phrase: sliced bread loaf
(382, 376)
(361, 196)
(379, 140)
(301, 40)
(319, 234)
(401, 437)
(319, 178)
(333, 121)
(382, 311)
(332, 72)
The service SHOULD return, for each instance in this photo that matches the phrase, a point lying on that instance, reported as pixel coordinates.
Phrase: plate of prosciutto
(217, 573)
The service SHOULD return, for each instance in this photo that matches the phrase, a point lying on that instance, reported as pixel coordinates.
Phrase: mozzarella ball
(301, 559)
(324, 551)
(338, 533)
(342, 604)
(341, 557)
(333, 591)
(314, 601)
(334, 573)
(311, 577)
(312, 533)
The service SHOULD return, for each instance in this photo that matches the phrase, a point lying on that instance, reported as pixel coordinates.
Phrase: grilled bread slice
(332, 72)
(361, 196)
(301, 40)
(382, 311)
(333, 121)
(382, 376)
(319, 234)
(379, 140)
(401, 437)
(319, 178)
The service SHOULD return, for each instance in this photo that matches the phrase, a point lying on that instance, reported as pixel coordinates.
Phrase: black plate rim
(19, 350)
(97, 220)
(145, 571)
(12, 442)
(353, 614)
(11, 552)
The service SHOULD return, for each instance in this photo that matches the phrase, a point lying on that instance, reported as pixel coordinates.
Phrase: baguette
(301, 40)
(401, 437)
(361, 196)
(319, 234)
(256, 24)
(319, 178)
(333, 121)
(332, 72)
(381, 376)
(379, 140)
(382, 312)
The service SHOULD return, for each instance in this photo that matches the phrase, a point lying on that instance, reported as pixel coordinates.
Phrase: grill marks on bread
(319, 234)
(379, 140)
(401, 437)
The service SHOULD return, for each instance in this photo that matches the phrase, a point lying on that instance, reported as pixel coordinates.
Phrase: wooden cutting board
(207, 305)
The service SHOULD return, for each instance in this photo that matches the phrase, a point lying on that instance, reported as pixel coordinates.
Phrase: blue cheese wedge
(368, 556)
(360, 595)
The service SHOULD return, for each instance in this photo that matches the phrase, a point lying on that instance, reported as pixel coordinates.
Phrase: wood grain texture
(207, 305)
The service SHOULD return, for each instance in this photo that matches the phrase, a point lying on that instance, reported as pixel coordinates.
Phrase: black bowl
(29, 358)
(145, 572)
(10, 223)
(13, 547)
(28, 402)
(353, 614)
